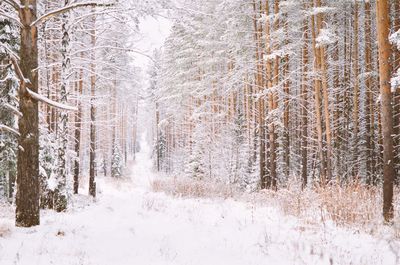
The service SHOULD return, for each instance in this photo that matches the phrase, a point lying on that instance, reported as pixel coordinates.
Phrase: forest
(275, 121)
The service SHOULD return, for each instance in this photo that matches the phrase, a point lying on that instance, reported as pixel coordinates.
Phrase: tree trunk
(396, 95)
(92, 154)
(324, 83)
(60, 193)
(369, 101)
(273, 105)
(260, 102)
(356, 92)
(384, 47)
(304, 108)
(317, 100)
(27, 198)
(268, 85)
(78, 127)
(286, 116)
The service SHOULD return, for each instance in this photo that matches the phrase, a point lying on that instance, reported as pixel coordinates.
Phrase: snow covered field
(130, 225)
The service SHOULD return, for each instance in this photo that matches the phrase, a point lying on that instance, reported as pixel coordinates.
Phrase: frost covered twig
(9, 129)
(26, 83)
(50, 102)
(13, 109)
(16, 20)
(13, 3)
(66, 9)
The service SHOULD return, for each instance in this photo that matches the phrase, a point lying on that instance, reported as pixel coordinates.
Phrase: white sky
(154, 31)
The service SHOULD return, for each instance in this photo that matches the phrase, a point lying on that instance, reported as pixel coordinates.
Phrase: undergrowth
(352, 205)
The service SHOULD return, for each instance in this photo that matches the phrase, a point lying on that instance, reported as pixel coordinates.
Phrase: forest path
(131, 225)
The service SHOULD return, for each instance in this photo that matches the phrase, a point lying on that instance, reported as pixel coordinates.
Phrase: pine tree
(8, 107)
(383, 27)
(116, 162)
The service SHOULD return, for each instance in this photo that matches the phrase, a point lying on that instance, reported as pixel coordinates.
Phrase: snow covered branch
(25, 82)
(9, 129)
(13, 3)
(13, 19)
(9, 51)
(13, 109)
(50, 102)
(66, 9)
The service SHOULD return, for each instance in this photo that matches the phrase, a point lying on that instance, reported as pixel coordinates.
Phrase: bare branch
(50, 102)
(66, 9)
(9, 129)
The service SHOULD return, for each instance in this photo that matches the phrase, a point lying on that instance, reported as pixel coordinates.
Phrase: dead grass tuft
(351, 205)
(193, 188)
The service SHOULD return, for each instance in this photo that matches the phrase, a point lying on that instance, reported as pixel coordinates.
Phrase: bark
(60, 193)
(384, 47)
(92, 154)
(317, 100)
(27, 198)
(260, 101)
(78, 128)
(369, 101)
(273, 105)
(268, 85)
(286, 117)
(396, 95)
(264, 176)
(324, 84)
(356, 92)
(304, 108)
(158, 138)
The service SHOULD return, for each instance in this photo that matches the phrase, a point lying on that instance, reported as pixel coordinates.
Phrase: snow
(395, 81)
(325, 37)
(8, 129)
(130, 224)
(49, 101)
(52, 182)
(395, 39)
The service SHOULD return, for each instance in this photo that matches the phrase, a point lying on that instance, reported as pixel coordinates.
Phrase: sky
(154, 31)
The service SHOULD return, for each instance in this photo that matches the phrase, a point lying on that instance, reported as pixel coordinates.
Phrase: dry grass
(193, 188)
(351, 205)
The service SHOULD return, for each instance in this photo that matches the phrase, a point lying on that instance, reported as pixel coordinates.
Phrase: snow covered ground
(130, 225)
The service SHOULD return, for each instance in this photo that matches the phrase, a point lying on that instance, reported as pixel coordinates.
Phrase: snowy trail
(141, 171)
(130, 225)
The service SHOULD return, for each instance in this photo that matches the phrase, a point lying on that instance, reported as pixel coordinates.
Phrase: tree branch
(114, 48)
(66, 9)
(14, 4)
(24, 81)
(13, 109)
(9, 129)
(10, 52)
(16, 20)
(50, 102)
(26, 84)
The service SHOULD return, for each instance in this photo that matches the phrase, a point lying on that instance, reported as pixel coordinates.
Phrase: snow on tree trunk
(60, 194)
